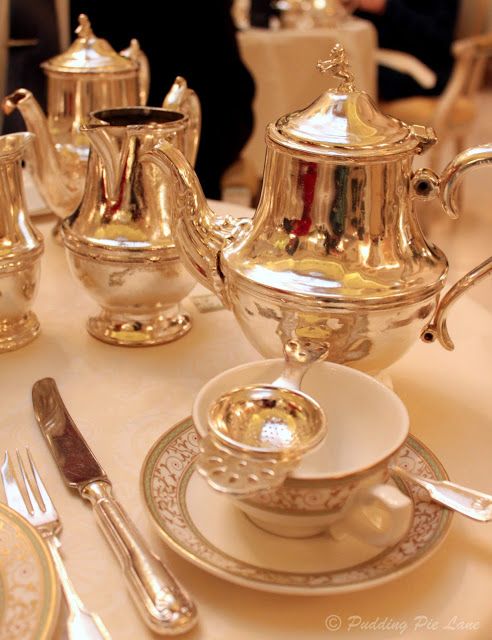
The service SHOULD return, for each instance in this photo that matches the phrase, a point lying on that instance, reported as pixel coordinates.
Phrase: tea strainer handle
(239, 475)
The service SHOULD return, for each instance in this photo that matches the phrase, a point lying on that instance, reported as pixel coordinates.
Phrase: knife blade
(164, 604)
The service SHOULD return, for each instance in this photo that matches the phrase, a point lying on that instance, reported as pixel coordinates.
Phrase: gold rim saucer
(209, 531)
(29, 587)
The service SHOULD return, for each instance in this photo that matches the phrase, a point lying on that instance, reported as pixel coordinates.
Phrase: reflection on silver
(21, 247)
(334, 252)
(118, 241)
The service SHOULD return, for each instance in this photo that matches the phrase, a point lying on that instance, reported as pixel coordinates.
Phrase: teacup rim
(295, 476)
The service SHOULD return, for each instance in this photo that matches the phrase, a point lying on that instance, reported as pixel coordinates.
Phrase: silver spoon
(474, 504)
(259, 432)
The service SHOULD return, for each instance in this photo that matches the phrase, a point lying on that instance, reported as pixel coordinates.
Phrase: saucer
(29, 587)
(208, 530)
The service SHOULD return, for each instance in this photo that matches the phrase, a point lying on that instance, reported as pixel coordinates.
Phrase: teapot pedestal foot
(143, 331)
(14, 335)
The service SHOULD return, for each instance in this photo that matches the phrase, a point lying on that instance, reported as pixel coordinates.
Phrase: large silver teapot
(334, 252)
(88, 77)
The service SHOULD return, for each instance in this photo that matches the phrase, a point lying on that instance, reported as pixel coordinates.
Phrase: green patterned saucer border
(165, 476)
(29, 587)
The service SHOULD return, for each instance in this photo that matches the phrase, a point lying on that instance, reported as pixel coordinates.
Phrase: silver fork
(81, 624)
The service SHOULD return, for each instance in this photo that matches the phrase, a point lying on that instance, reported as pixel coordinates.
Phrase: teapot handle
(181, 98)
(449, 182)
(135, 53)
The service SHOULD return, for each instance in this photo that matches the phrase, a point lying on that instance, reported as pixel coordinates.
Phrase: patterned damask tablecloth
(124, 399)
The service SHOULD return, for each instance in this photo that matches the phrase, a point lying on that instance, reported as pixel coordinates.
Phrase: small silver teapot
(118, 241)
(334, 252)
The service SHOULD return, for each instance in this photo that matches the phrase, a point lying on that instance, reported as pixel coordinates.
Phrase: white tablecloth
(283, 65)
(124, 399)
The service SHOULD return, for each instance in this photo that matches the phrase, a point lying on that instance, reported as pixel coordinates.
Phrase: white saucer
(205, 528)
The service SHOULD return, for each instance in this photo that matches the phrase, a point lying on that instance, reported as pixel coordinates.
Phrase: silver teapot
(334, 252)
(89, 76)
(118, 241)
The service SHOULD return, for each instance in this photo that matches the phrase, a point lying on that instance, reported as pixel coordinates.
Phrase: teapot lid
(89, 54)
(345, 121)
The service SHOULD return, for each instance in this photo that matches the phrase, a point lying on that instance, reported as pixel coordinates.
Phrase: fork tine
(43, 492)
(13, 494)
(34, 502)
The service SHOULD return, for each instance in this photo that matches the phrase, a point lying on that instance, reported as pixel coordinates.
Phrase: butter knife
(163, 603)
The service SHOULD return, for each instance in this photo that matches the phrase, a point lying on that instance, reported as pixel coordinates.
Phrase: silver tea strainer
(258, 433)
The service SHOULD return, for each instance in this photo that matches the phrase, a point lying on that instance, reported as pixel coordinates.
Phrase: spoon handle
(473, 504)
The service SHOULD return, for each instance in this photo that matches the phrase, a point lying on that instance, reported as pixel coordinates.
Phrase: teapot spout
(58, 172)
(199, 234)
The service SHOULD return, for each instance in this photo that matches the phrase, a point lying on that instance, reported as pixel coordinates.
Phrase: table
(283, 65)
(124, 399)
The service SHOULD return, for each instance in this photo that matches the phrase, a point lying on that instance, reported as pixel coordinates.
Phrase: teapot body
(72, 97)
(336, 254)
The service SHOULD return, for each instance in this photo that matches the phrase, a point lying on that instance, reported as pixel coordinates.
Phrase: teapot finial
(84, 29)
(341, 68)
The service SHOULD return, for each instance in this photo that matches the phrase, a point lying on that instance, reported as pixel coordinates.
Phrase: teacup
(342, 487)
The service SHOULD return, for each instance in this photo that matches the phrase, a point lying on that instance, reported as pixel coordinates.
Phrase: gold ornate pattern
(165, 476)
(29, 590)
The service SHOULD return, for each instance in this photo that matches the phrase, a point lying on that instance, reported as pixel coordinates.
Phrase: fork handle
(474, 504)
(81, 623)
(165, 606)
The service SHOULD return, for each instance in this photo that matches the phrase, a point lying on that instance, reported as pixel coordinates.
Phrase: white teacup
(343, 485)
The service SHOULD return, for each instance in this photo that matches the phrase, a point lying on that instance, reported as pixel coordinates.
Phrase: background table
(283, 65)
(124, 399)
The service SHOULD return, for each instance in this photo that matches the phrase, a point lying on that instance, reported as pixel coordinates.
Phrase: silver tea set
(85, 157)
(333, 254)
(333, 266)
